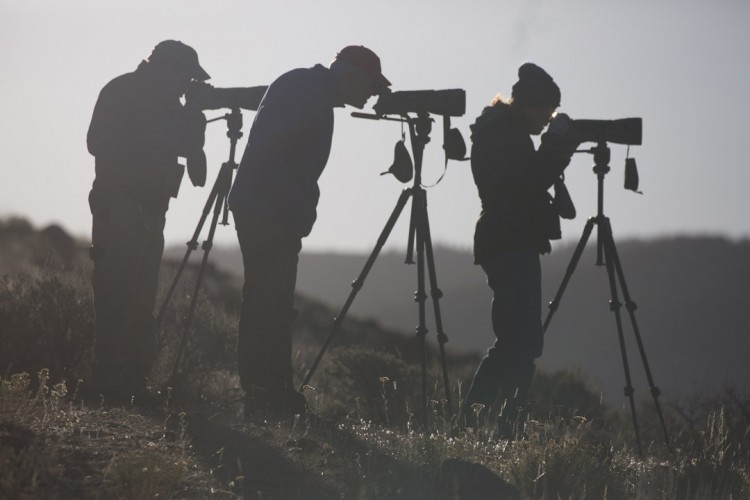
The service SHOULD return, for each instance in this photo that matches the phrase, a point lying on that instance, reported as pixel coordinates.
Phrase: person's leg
(515, 279)
(119, 245)
(487, 378)
(516, 379)
(482, 391)
(265, 347)
(519, 309)
(144, 322)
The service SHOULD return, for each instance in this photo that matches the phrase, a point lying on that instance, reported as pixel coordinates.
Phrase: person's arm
(109, 131)
(545, 165)
(191, 139)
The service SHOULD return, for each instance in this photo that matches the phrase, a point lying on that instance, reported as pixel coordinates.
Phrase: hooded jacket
(513, 179)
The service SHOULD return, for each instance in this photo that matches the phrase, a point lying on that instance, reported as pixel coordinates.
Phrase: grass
(364, 438)
(53, 445)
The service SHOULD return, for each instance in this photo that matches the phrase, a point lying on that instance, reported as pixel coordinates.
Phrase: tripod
(607, 255)
(218, 200)
(419, 233)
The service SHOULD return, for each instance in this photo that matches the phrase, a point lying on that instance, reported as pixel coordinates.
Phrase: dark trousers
(264, 351)
(505, 373)
(127, 246)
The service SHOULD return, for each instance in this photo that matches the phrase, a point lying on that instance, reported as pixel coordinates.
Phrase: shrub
(370, 385)
(210, 345)
(558, 461)
(46, 322)
(144, 474)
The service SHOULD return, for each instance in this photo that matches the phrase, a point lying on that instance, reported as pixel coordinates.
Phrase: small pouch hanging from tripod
(562, 201)
(402, 167)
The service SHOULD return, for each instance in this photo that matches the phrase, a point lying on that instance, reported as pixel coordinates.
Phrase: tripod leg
(357, 284)
(436, 294)
(420, 295)
(223, 183)
(412, 232)
(192, 245)
(631, 307)
(608, 246)
(569, 271)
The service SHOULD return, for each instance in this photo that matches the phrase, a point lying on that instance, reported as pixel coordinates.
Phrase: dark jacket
(286, 152)
(513, 180)
(136, 134)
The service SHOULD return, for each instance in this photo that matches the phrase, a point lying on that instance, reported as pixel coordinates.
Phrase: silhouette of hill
(55, 444)
(692, 295)
(691, 292)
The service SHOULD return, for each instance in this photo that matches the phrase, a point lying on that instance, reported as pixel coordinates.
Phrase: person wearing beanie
(273, 201)
(515, 226)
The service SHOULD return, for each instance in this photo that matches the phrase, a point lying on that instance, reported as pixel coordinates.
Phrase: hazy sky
(680, 65)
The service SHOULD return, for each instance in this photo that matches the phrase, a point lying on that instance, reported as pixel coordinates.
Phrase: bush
(210, 347)
(146, 474)
(370, 385)
(558, 460)
(46, 322)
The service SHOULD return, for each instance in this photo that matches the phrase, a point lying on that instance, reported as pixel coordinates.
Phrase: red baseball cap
(364, 59)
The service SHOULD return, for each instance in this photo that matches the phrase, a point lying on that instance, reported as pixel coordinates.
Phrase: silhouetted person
(515, 226)
(138, 130)
(273, 201)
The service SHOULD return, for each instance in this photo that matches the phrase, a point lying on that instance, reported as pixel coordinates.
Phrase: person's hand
(196, 167)
(559, 125)
(194, 130)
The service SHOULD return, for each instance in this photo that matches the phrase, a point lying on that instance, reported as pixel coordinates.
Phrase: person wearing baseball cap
(273, 201)
(356, 62)
(138, 131)
(179, 57)
(517, 222)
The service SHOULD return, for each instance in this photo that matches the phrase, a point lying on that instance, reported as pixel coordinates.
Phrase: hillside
(364, 435)
(691, 294)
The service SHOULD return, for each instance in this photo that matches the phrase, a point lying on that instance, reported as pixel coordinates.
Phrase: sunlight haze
(681, 66)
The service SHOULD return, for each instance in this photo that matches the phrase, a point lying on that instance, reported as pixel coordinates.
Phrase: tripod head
(601, 168)
(420, 127)
(234, 124)
(601, 154)
(224, 179)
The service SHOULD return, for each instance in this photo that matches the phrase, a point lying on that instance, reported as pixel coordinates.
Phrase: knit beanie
(535, 88)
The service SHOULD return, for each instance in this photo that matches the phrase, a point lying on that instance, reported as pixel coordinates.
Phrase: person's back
(287, 150)
(134, 135)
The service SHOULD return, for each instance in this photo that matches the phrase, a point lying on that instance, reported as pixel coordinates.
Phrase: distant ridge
(692, 295)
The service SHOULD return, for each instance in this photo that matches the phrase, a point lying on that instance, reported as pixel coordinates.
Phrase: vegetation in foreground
(363, 439)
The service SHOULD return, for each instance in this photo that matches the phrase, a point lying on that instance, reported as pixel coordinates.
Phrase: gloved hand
(196, 167)
(558, 141)
(192, 140)
(560, 124)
